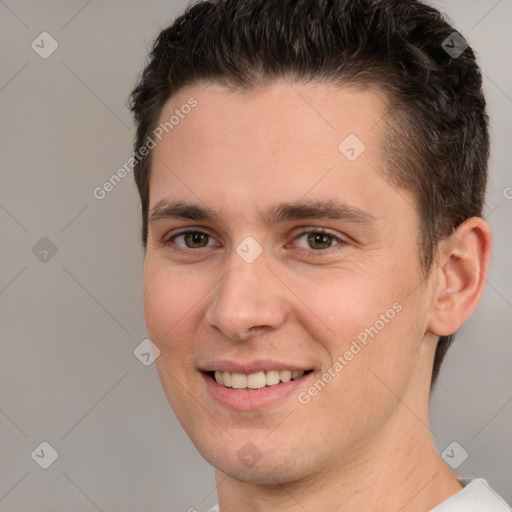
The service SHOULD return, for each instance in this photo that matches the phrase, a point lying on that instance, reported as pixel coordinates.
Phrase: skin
(363, 441)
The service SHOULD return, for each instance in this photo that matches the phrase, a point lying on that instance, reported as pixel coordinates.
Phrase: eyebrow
(275, 214)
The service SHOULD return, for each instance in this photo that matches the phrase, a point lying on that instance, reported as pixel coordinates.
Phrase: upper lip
(252, 366)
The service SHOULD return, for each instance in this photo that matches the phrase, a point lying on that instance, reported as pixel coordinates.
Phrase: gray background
(69, 325)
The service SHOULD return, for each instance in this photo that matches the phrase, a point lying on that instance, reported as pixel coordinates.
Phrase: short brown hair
(436, 135)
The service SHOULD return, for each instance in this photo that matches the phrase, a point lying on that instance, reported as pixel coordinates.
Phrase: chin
(268, 473)
(242, 459)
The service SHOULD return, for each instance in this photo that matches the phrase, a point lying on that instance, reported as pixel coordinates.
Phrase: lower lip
(253, 400)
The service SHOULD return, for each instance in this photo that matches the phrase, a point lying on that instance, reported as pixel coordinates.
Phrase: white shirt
(476, 496)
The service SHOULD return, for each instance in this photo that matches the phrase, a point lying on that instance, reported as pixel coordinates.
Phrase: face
(275, 253)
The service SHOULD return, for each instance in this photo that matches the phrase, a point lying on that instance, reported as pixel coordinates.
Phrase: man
(312, 174)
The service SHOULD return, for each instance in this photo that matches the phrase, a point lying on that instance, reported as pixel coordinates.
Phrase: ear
(460, 273)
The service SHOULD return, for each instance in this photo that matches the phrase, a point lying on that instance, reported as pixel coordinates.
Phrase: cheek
(172, 297)
(373, 325)
(370, 354)
(341, 306)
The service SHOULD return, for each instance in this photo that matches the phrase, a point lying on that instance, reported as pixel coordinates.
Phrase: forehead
(275, 143)
(274, 118)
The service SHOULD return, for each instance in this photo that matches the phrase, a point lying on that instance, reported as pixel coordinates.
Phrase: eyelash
(169, 242)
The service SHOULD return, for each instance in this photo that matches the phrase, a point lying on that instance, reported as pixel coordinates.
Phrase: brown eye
(192, 240)
(316, 240)
(319, 240)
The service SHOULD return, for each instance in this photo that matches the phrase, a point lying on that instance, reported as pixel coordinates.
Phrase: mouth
(255, 385)
(257, 380)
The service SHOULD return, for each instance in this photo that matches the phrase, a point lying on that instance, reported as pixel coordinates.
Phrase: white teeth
(238, 380)
(256, 380)
(285, 376)
(272, 377)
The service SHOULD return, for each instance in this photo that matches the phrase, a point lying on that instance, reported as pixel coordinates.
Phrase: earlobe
(461, 272)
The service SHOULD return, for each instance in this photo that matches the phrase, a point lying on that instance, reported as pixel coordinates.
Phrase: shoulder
(477, 496)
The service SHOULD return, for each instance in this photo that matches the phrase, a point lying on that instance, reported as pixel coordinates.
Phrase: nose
(248, 300)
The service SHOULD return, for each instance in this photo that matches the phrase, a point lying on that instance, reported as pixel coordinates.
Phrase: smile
(256, 380)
